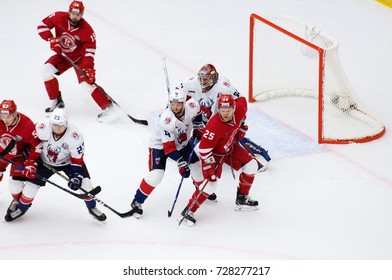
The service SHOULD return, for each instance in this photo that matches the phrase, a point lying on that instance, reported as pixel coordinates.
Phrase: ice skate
(109, 114)
(13, 206)
(17, 213)
(245, 203)
(58, 102)
(187, 218)
(97, 214)
(137, 210)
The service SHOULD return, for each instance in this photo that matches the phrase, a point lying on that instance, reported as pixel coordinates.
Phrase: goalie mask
(208, 76)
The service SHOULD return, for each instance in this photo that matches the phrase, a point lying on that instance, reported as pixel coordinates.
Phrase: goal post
(290, 58)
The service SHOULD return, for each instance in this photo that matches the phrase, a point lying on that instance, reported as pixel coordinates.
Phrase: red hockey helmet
(8, 107)
(76, 7)
(208, 76)
(226, 101)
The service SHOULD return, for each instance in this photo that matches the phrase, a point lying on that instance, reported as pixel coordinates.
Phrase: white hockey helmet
(59, 117)
(178, 95)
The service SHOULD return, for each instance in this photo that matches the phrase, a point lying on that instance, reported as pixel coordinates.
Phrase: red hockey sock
(245, 183)
(202, 197)
(52, 88)
(100, 98)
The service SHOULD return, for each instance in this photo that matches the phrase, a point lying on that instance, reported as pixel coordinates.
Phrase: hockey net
(290, 58)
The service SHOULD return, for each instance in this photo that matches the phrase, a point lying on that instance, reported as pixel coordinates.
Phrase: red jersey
(25, 136)
(77, 43)
(219, 137)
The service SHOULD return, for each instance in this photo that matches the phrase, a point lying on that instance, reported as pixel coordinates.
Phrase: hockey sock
(245, 183)
(143, 192)
(52, 88)
(100, 98)
(202, 197)
(90, 203)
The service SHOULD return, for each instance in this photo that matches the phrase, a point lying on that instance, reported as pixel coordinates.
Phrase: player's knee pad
(251, 167)
(48, 72)
(196, 173)
(30, 190)
(86, 87)
(154, 177)
(15, 186)
(211, 187)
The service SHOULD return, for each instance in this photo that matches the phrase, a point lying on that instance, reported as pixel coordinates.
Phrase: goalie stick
(78, 195)
(142, 122)
(91, 195)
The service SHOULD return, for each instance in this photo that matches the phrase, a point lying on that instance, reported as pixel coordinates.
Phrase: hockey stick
(167, 81)
(204, 184)
(81, 196)
(170, 212)
(143, 122)
(90, 194)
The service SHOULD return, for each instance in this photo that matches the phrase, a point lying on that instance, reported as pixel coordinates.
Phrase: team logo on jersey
(67, 42)
(5, 140)
(167, 120)
(226, 84)
(157, 160)
(65, 146)
(75, 136)
(41, 126)
(52, 153)
(182, 137)
(205, 108)
(192, 104)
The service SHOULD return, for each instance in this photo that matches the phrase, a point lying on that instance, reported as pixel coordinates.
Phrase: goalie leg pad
(255, 148)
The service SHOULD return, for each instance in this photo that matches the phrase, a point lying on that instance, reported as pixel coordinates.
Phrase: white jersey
(208, 101)
(169, 128)
(68, 149)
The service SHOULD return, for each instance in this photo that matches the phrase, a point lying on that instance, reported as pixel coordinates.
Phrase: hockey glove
(75, 181)
(55, 45)
(183, 168)
(90, 72)
(30, 170)
(208, 168)
(241, 132)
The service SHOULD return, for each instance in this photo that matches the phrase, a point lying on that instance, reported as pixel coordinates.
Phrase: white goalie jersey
(170, 128)
(208, 101)
(67, 149)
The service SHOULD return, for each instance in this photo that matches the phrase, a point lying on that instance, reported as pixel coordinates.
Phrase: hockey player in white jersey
(206, 89)
(170, 139)
(63, 151)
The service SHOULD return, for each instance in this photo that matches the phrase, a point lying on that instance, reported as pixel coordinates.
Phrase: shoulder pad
(167, 120)
(43, 130)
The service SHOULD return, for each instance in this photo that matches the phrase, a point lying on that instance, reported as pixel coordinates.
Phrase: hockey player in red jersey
(170, 139)
(206, 89)
(218, 145)
(20, 144)
(75, 38)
